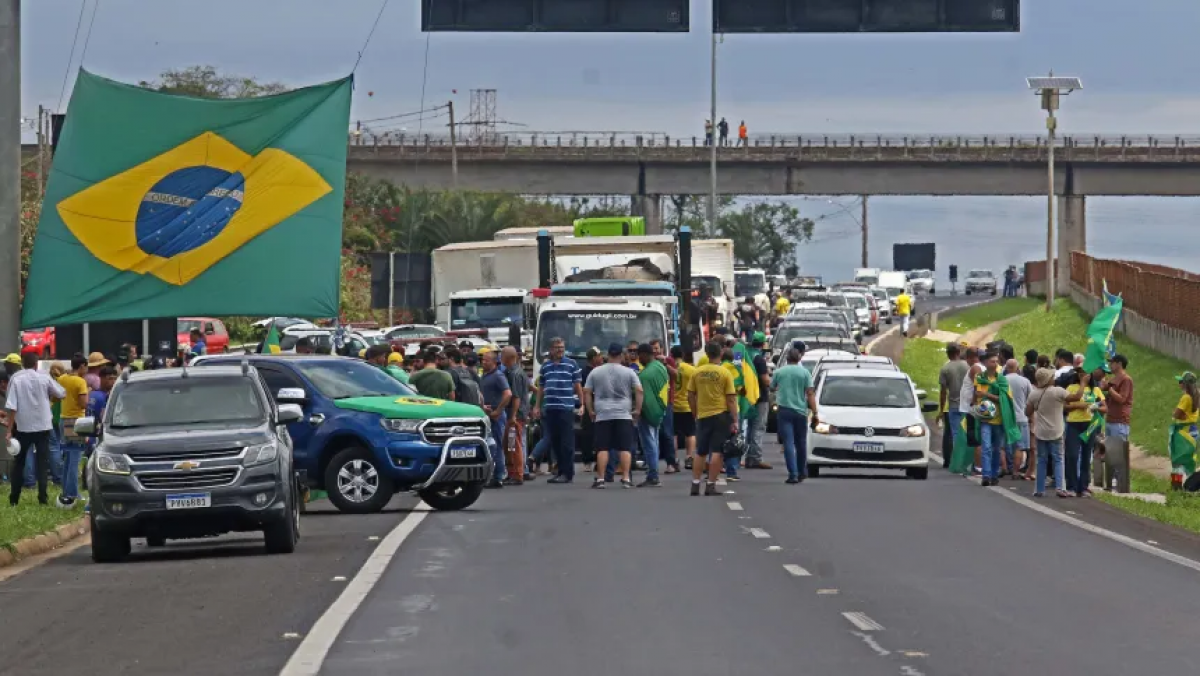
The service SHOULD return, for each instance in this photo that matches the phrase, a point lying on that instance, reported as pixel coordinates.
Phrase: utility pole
(10, 173)
(1051, 273)
(712, 191)
(453, 149)
(864, 231)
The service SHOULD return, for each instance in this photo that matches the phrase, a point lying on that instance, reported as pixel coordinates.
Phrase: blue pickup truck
(365, 436)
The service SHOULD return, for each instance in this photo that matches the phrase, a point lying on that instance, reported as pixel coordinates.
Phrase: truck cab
(656, 292)
(751, 283)
(493, 310)
(597, 322)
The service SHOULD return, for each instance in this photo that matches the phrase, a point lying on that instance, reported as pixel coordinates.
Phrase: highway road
(857, 573)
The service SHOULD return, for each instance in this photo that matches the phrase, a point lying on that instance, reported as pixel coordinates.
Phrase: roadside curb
(45, 542)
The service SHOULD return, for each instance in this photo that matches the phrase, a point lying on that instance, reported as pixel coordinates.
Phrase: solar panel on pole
(870, 16)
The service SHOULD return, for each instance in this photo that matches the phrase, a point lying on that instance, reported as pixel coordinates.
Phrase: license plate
(865, 447)
(463, 453)
(189, 500)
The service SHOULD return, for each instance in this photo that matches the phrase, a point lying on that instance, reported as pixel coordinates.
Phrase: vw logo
(869, 432)
(458, 430)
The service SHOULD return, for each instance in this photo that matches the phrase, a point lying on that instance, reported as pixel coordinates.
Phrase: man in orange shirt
(743, 137)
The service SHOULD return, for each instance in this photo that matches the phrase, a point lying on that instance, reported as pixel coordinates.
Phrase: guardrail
(615, 145)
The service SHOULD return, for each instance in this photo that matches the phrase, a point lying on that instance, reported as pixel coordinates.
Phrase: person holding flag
(1082, 424)
(997, 419)
(1184, 433)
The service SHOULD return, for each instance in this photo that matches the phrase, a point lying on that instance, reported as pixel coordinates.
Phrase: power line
(88, 40)
(367, 43)
(71, 57)
(413, 113)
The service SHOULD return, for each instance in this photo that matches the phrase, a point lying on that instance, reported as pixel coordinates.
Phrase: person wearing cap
(757, 427)
(613, 397)
(1184, 432)
(656, 387)
(559, 388)
(29, 395)
(12, 363)
(395, 366)
(793, 387)
(95, 361)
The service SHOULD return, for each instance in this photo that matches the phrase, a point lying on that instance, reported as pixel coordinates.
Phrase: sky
(1136, 61)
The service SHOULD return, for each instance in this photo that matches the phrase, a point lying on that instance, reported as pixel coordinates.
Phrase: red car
(216, 338)
(40, 341)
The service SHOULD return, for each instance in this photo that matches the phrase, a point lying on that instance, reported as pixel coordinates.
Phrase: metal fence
(1165, 295)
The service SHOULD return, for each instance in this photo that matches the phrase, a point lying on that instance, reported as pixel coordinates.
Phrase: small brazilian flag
(164, 206)
(270, 344)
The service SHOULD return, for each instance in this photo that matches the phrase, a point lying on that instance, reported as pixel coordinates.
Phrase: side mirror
(929, 407)
(85, 427)
(290, 413)
(291, 395)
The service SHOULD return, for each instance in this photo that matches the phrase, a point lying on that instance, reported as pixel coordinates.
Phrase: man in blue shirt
(197, 345)
(559, 389)
(496, 397)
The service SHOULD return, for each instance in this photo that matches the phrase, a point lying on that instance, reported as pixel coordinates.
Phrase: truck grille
(180, 456)
(439, 431)
(861, 431)
(203, 478)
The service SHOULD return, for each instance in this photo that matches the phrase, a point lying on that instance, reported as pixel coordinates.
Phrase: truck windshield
(749, 284)
(195, 401)
(485, 313)
(584, 329)
(713, 284)
(349, 378)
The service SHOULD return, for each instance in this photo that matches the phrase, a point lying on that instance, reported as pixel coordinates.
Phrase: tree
(765, 235)
(206, 82)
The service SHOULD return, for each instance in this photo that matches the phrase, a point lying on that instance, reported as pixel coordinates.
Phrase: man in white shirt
(29, 395)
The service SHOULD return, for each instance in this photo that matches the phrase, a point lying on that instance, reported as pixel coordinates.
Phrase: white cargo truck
(509, 266)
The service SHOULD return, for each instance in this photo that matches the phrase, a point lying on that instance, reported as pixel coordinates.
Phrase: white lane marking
(728, 492)
(291, 634)
(373, 538)
(1151, 542)
(339, 578)
(734, 506)
(759, 533)
(1115, 537)
(863, 622)
(311, 652)
(827, 592)
(872, 644)
(795, 570)
(906, 670)
(774, 548)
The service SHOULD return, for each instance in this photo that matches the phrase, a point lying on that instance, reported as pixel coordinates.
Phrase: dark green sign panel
(866, 16)
(556, 16)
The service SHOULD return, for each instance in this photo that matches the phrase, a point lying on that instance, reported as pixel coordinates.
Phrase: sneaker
(560, 479)
(695, 488)
(711, 489)
(792, 480)
(732, 477)
(598, 483)
(650, 483)
(65, 503)
(625, 483)
(528, 477)
(512, 482)
(494, 484)
(687, 464)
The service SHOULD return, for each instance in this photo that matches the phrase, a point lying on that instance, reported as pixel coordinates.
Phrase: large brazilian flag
(163, 206)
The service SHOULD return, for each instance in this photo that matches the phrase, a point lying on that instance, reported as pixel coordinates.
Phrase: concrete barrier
(1147, 333)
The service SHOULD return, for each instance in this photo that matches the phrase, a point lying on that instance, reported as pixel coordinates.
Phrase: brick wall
(1160, 294)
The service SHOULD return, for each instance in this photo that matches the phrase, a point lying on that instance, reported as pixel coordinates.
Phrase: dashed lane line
(760, 533)
(734, 506)
(796, 570)
(862, 622)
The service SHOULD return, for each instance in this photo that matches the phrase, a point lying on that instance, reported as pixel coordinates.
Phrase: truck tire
(369, 494)
(451, 498)
(281, 536)
(107, 547)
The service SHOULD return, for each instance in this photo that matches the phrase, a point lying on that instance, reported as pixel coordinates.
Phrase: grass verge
(29, 518)
(982, 315)
(922, 359)
(1156, 392)
(1182, 509)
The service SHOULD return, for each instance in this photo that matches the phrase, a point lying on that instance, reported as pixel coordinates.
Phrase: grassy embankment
(1155, 396)
(29, 518)
(981, 315)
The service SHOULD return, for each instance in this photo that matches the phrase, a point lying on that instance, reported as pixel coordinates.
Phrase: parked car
(869, 418)
(216, 338)
(363, 436)
(981, 281)
(190, 454)
(883, 302)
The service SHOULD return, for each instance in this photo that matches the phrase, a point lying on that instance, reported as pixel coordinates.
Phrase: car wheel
(452, 497)
(107, 547)
(354, 483)
(889, 321)
(281, 535)
(918, 473)
(156, 541)
(814, 470)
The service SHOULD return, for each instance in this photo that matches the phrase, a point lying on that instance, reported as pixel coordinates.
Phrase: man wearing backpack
(466, 388)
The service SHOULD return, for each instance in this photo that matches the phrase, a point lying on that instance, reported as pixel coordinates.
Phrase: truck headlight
(260, 455)
(111, 463)
(400, 424)
(913, 431)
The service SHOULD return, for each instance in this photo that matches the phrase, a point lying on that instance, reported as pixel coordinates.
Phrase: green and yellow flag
(270, 344)
(163, 206)
(1181, 444)
(1101, 345)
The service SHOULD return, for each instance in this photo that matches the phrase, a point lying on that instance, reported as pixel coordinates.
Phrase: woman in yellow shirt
(1184, 433)
(1078, 443)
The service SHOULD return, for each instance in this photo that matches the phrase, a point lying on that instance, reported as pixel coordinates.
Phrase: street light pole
(10, 173)
(712, 168)
(1048, 89)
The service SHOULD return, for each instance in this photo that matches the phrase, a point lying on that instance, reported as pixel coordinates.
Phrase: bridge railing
(863, 147)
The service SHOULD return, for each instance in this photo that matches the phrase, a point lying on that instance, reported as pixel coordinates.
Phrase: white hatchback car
(869, 418)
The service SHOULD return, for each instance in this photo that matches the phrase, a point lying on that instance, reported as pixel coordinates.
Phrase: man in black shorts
(713, 398)
(613, 397)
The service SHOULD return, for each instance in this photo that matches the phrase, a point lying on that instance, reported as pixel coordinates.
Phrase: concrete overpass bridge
(646, 168)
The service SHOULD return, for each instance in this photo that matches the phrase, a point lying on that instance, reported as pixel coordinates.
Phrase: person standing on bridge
(723, 130)
(708, 132)
(743, 135)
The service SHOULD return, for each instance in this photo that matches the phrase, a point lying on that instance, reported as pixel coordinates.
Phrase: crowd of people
(1044, 420)
(722, 132)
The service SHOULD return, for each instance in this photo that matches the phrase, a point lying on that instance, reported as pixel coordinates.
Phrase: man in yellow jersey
(782, 305)
(712, 397)
(903, 310)
(683, 418)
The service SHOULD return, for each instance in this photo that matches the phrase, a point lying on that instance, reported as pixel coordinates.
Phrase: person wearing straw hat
(95, 361)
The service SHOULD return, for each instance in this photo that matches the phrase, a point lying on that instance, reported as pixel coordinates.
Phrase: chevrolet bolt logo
(187, 465)
(458, 431)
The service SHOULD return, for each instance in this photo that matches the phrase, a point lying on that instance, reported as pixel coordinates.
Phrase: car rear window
(191, 401)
